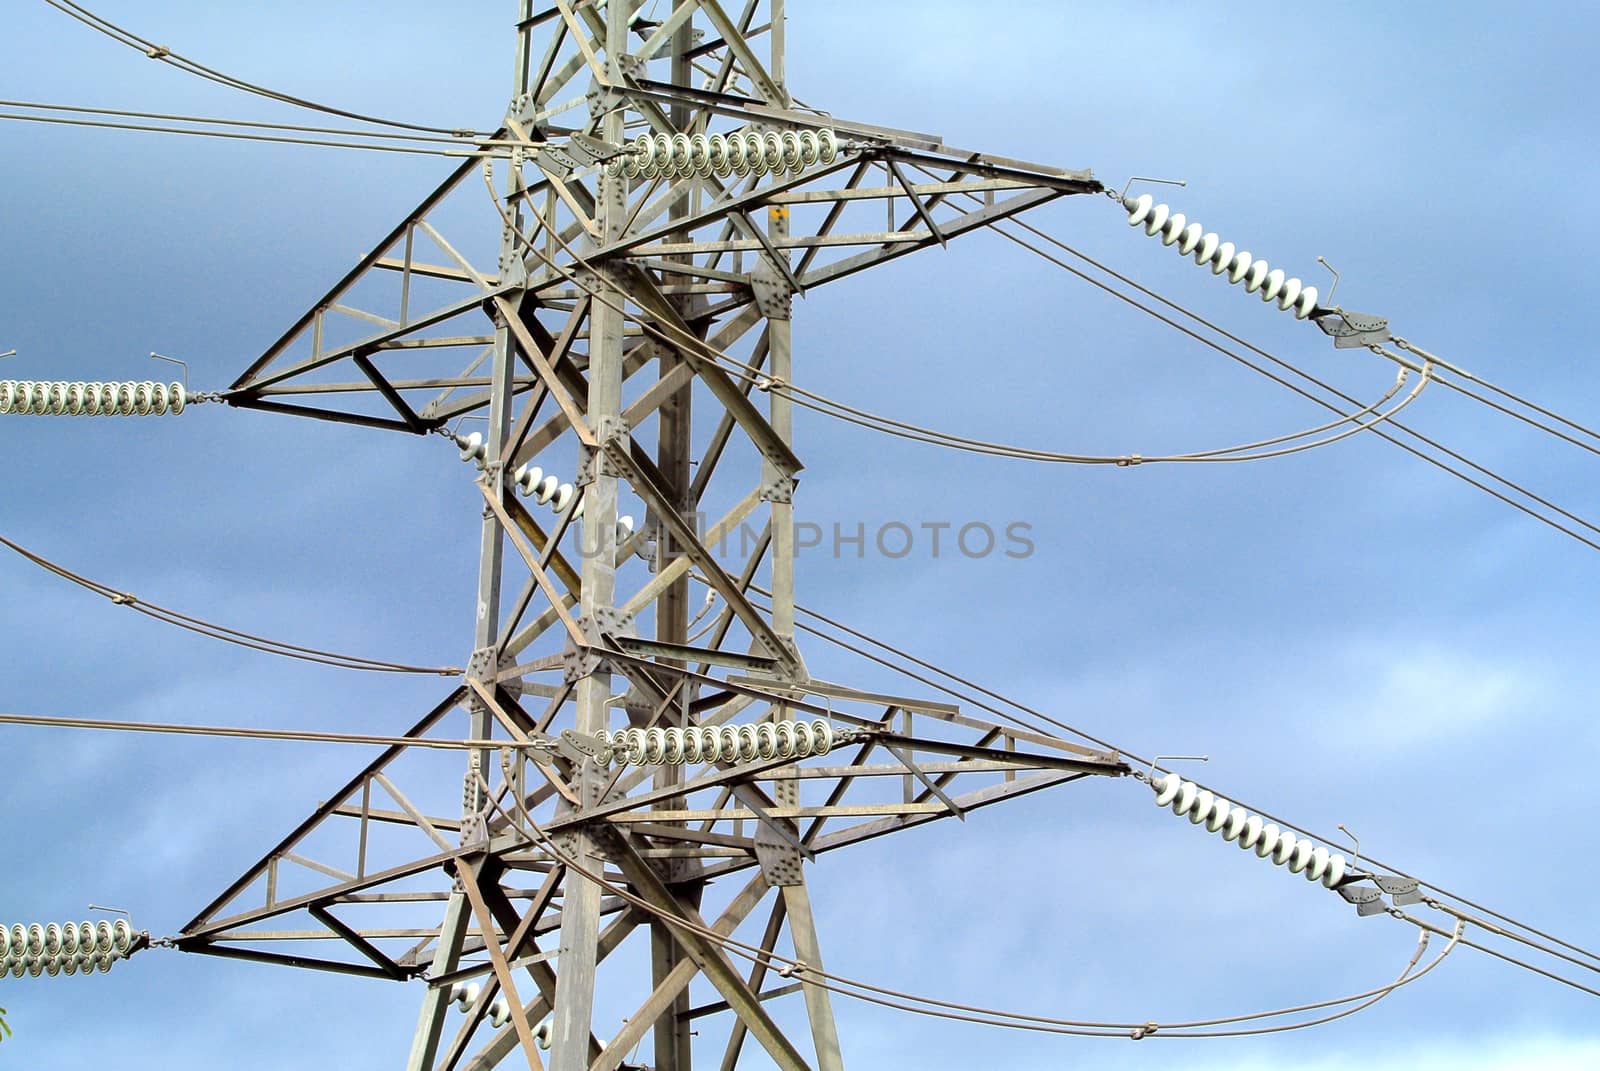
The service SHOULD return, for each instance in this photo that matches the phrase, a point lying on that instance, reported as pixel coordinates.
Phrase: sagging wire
(1290, 294)
(236, 732)
(223, 632)
(1424, 355)
(856, 989)
(413, 143)
(679, 338)
(1358, 425)
(1590, 960)
(166, 55)
(826, 406)
(240, 136)
(1382, 433)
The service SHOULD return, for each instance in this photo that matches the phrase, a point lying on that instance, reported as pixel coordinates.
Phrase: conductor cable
(887, 425)
(223, 632)
(922, 1005)
(189, 66)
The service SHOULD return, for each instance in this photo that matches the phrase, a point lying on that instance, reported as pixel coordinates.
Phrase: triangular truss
(626, 336)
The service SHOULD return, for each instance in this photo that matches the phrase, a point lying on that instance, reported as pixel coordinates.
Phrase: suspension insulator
(694, 744)
(66, 948)
(499, 1012)
(25, 397)
(545, 488)
(1250, 832)
(1158, 221)
(472, 448)
(465, 994)
(749, 152)
(527, 477)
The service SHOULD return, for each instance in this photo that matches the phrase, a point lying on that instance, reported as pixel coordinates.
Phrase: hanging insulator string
(1209, 251)
(25, 397)
(675, 156)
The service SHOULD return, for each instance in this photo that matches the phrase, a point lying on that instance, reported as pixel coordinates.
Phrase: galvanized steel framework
(600, 327)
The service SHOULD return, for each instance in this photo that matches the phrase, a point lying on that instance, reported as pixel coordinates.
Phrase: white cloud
(1399, 696)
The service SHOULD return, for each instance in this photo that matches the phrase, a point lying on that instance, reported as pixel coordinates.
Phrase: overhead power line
(850, 414)
(857, 989)
(307, 736)
(56, 120)
(127, 113)
(183, 63)
(1424, 355)
(842, 411)
(1593, 958)
(223, 632)
(1386, 434)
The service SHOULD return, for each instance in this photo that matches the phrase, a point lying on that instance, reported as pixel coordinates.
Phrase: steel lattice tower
(595, 347)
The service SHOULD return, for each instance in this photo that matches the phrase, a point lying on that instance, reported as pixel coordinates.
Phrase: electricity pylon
(627, 275)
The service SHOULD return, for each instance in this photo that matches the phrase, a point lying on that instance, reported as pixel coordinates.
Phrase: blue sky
(1351, 635)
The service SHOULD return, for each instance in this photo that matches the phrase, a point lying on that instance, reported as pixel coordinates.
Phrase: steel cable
(306, 736)
(876, 422)
(935, 1007)
(1536, 407)
(223, 632)
(1381, 433)
(681, 339)
(1490, 402)
(170, 117)
(1594, 958)
(189, 66)
(240, 136)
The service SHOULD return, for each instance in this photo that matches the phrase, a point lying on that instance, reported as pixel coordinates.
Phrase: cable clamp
(1352, 330)
(1139, 1033)
(124, 598)
(158, 52)
(1130, 460)
(789, 970)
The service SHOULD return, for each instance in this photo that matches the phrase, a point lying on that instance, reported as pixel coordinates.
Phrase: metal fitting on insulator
(63, 398)
(748, 152)
(1258, 277)
(1300, 855)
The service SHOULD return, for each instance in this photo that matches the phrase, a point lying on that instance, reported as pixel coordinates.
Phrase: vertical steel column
(446, 957)
(780, 350)
(485, 636)
(779, 35)
(796, 898)
(580, 904)
(674, 445)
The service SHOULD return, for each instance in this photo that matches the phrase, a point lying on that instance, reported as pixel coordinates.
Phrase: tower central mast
(665, 201)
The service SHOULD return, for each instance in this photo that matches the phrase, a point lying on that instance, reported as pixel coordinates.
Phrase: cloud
(1398, 697)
